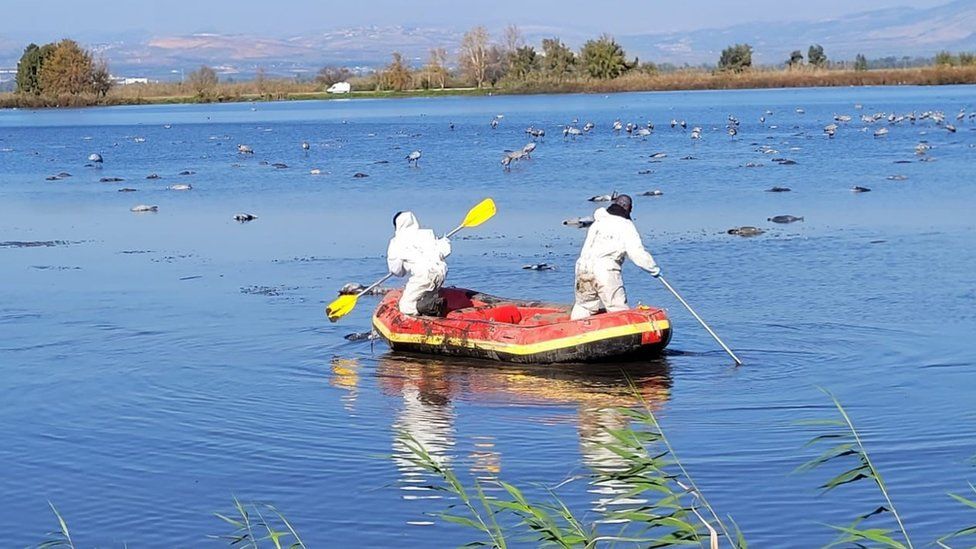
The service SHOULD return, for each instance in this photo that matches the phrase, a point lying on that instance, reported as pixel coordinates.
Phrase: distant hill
(896, 31)
(891, 32)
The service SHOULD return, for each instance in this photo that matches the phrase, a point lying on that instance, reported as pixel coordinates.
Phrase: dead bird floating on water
(144, 208)
(539, 267)
(746, 231)
(603, 197)
(354, 288)
(784, 219)
(580, 222)
(414, 158)
(244, 217)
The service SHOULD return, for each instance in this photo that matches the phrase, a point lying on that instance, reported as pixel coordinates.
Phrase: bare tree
(396, 76)
(474, 55)
(203, 81)
(513, 38)
(436, 69)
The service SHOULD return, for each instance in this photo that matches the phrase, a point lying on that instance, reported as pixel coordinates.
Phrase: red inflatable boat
(483, 326)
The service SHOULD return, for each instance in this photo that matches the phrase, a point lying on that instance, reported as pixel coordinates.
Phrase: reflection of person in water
(426, 415)
(428, 387)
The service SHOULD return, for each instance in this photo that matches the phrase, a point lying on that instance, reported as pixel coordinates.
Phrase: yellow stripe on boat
(519, 348)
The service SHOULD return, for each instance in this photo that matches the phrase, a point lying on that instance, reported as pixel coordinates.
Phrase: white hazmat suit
(418, 253)
(609, 241)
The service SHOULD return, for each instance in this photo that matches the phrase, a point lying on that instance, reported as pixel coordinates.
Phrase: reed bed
(364, 87)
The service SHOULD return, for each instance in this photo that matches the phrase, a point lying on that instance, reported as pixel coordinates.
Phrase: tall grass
(967, 532)
(252, 528)
(845, 446)
(61, 537)
(659, 504)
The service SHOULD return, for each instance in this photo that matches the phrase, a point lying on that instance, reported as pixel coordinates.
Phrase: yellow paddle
(477, 215)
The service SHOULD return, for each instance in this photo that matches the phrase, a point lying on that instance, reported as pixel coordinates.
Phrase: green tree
(29, 68)
(396, 76)
(966, 58)
(647, 67)
(559, 61)
(736, 58)
(816, 56)
(496, 64)
(203, 81)
(604, 58)
(523, 62)
(795, 60)
(860, 63)
(944, 58)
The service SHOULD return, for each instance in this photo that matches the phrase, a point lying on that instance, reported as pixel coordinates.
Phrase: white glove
(655, 271)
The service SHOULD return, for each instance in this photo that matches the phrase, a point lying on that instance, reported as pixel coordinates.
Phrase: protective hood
(406, 221)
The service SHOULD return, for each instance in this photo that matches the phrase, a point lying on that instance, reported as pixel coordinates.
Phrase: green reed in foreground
(60, 537)
(967, 532)
(252, 528)
(846, 447)
(656, 504)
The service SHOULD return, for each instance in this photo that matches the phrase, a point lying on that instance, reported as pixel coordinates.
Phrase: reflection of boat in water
(429, 389)
(482, 326)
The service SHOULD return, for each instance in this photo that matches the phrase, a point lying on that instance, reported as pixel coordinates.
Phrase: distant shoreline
(685, 80)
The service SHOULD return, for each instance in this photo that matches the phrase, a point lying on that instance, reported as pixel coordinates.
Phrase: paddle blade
(341, 307)
(482, 212)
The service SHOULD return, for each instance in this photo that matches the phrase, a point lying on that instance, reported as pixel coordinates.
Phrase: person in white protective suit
(418, 253)
(610, 239)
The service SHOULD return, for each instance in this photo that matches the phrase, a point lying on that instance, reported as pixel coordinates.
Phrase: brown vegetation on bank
(719, 80)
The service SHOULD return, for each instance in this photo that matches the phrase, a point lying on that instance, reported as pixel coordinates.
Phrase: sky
(101, 19)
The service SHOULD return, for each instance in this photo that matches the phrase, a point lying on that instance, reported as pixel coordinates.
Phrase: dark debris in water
(35, 243)
(54, 268)
(305, 259)
(270, 291)
(171, 258)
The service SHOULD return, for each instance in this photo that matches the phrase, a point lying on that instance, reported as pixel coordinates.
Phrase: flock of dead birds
(574, 130)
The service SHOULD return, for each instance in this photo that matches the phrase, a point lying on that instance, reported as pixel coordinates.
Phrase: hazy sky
(24, 19)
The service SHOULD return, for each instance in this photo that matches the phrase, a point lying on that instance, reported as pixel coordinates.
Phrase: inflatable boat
(483, 326)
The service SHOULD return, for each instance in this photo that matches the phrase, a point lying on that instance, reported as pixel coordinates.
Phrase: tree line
(61, 68)
(482, 62)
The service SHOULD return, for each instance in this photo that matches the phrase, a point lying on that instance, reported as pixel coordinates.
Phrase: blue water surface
(154, 366)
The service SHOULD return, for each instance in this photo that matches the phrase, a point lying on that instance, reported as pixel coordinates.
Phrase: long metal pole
(694, 314)
(375, 284)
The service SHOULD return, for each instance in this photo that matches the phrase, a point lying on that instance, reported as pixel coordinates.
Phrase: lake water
(154, 366)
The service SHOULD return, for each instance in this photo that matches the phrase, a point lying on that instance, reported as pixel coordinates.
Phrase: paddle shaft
(694, 314)
(375, 284)
(455, 231)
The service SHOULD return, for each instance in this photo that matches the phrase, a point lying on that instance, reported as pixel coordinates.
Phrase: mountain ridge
(878, 33)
